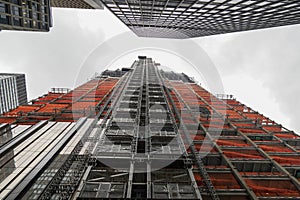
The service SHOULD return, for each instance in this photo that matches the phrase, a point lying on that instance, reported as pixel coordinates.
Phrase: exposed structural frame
(193, 18)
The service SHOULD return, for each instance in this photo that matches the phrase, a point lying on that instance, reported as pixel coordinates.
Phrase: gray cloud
(270, 56)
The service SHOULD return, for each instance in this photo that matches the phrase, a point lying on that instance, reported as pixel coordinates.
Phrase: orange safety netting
(83, 105)
(220, 180)
(254, 116)
(217, 126)
(52, 108)
(240, 143)
(243, 153)
(4, 120)
(287, 135)
(21, 110)
(220, 106)
(275, 148)
(273, 128)
(202, 148)
(252, 130)
(233, 102)
(273, 188)
(49, 97)
(287, 159)
(262, 174)
(63, 101)
(196, 137)
(243, 124)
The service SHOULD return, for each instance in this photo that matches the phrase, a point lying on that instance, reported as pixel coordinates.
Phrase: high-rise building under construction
(145, 133)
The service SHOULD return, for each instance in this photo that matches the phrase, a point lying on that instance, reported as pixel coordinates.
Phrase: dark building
(35, 15)
(12, 91)
(25, 15)
(191, 18)
(145, 133)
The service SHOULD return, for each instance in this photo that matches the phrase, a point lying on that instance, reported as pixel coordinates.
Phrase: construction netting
(61, 105)
(287, 160)
(243, 154)
(273, 188)
(233, 142)
(275, 148)
(220, 180)
(22, 110)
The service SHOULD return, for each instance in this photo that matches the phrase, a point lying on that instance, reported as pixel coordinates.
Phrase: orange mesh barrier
(83, 105)
(275, 148)
(273, 188)
(232, 102)
(202, 148)
(196, 137)
(4, 120)
(40, 103)
(218, 126)
(254, 116)
(51, 108)
(63, 101)
(287, 136)
(220, 180)
(262, 174)
(241, 124)
(273, 128)
(287, 160)
(243, 153)
(220, 107)
(240, 143)
(259, 131)
(23, 109)
(49, 97)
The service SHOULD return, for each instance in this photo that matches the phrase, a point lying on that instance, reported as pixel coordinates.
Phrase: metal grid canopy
(70, 4)
(191, 18)
(81, 4)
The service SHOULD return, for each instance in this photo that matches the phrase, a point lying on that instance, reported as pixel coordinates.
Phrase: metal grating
(191, 18)
(70, 4)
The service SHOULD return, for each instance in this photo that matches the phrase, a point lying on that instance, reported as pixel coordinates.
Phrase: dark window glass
(15, 2)
(17, 21)
(2, 8)
(15, 11)
(3, 19)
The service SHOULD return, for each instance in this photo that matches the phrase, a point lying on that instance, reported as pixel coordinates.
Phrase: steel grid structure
(82, 4)
(194, 18)
(142, 134)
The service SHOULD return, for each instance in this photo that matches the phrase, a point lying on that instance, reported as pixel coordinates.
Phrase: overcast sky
(260, 68)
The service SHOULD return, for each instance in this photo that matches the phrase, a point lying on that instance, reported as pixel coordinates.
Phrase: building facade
(186, 19)
(25, 15)
(145, 133)
(12, 91)
(35, 15)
